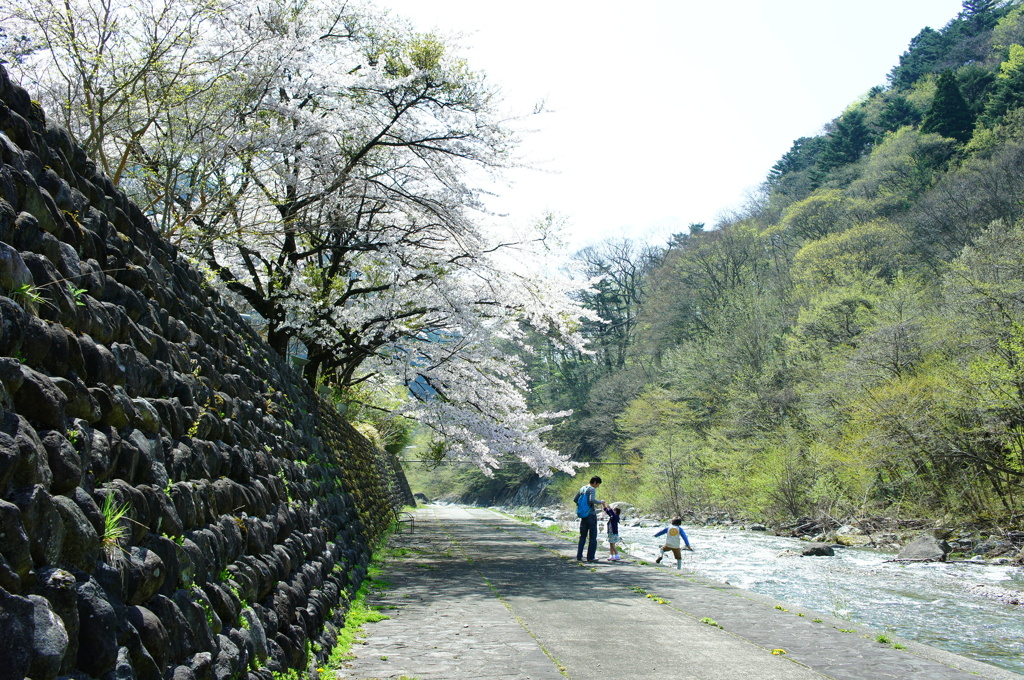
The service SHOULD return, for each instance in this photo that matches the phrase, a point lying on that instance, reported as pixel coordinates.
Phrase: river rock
(852, 540)
(848, 535)
(925, 548)
(818, 550)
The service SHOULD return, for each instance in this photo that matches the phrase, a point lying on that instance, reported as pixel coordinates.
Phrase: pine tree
(897, 113)
(979, 13)
(926, 49)
(949, 115)
(847, 142)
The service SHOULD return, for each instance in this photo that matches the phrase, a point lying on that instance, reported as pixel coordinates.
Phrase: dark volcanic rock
(59, 588)
(17, 620)
(81, 546)
(43, 524)
(97, 640)
(41, 400)
(152, 632)
(64, 462)
(143, 575)
(49, 641)
(14, 544)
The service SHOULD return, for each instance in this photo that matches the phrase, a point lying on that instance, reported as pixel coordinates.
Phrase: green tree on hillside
(800, 156)
(792, 177)
(897, 113)
(975, 83)
(658, 426)
(1009, 29)
(847, 142)
(926, 49)
(1009, 87)
(618, 270)
(901, 167)
(949, 115)
(820, 214)
(979, 13)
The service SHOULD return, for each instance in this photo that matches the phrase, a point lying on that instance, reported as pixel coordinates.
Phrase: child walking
(614, 514)
(672, 542)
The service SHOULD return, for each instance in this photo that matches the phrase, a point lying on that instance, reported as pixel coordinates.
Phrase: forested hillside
(852, 341)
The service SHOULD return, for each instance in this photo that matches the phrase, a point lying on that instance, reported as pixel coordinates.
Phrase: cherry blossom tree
(314, 159)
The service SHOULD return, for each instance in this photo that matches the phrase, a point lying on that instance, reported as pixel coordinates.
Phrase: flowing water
(931, 603)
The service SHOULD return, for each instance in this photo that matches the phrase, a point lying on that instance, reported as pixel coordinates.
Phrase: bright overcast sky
(667, 112)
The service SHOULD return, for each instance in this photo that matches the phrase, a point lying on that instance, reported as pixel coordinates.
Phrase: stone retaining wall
(251, 505)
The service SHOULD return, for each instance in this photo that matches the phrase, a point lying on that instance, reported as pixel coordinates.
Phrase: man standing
(586, 509)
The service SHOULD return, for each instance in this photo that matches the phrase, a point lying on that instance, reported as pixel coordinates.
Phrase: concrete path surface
(477, 595)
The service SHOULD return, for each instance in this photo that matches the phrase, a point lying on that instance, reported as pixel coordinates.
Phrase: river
(929, 603)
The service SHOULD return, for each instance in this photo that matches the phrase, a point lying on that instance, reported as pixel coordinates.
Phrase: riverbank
(477, 594)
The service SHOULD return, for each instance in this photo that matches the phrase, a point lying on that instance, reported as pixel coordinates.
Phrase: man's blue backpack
(582, 505)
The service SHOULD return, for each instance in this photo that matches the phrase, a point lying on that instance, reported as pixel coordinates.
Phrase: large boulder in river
(925, 548)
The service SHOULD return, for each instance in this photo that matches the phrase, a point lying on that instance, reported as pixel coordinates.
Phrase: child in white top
(672, 542)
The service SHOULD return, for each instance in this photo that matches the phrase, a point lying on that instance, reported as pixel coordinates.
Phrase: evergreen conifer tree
(847, 142)
(926, 49)
(949, 115)
(979, 13)
(897, 113)
(793, 160)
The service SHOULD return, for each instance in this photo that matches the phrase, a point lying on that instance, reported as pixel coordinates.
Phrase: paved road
(477, 595)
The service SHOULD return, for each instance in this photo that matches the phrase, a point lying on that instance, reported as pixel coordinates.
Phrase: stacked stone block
(126, 383)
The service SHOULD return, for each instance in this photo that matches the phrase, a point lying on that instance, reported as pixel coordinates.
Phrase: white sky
(666, 112)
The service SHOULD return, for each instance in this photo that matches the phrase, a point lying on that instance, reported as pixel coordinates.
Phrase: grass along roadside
(359, 614)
